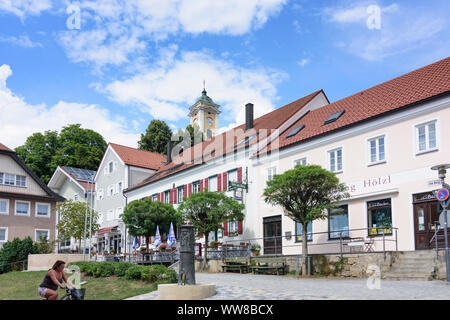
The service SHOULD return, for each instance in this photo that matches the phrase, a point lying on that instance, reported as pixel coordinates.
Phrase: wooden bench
(264, 265)
(236, 264)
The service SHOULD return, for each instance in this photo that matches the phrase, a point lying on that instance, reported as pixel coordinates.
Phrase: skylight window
(295, 131)
(334, 117)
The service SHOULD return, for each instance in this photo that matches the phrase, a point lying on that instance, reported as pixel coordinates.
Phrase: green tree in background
(14, 253)
(207, 211)
(73, 147)
(72, 220)
(38, 152)
(305, 193)
(156, 137)
(142, 216)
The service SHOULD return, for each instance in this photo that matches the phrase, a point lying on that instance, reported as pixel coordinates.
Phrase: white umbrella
(157, 238)
(171, 240)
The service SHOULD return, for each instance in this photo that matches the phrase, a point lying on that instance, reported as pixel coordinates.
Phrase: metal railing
(22, 266)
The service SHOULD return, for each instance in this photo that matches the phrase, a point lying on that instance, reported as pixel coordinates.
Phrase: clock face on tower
(209, 121)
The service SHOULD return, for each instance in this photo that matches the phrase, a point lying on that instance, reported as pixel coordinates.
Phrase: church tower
(205, 113)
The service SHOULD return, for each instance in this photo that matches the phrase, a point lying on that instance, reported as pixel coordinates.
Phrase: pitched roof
(393, 95)
(5, 148)
(218, 146)
(139, 158)
(77, 175)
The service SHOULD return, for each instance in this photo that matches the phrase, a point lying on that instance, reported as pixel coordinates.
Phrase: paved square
(261, 287)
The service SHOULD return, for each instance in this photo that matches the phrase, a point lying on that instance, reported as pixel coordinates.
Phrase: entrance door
(272, 235)
(426, 220)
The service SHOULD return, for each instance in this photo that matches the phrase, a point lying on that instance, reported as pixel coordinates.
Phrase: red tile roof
(271, 120)
(139, 158)
(390, 96)
(4, 148)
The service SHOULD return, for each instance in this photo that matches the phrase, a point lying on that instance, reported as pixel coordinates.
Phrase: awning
(107, 230)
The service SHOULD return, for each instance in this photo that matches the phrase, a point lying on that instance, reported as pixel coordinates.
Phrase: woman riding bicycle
(53, 279)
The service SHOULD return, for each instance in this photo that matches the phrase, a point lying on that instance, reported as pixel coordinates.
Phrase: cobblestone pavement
(231, 286)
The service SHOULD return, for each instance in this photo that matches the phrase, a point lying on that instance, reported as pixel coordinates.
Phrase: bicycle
(74, 293)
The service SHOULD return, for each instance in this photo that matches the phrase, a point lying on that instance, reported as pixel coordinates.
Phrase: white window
(180, 194)
(3, 234)
(232, 176)
(9, 179)
(21, 181)
(155, 197)
(4, 206)
(43, 210)
(110, 215)
(100, 217)
(212, 184)
(335, 160)
(167, 196)
(119, 188)
(377, 150)
(75, 197)
(233, 227)
(1, 178)
(300, 162)
(100, 194)
(110, 190)
(196, 187)
(41, 234)
(426, 137)
(22, 208)
(271, 172)
(110, 167)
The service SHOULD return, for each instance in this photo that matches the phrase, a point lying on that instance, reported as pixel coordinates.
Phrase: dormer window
(334, 117)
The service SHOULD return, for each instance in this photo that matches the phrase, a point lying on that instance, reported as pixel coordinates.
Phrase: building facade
(382, 143)
(27, 205)
(73, 184)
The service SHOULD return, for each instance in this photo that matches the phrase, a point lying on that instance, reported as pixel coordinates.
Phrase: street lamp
(442, 170)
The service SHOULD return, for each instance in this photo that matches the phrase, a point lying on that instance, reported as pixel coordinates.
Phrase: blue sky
(133, 61)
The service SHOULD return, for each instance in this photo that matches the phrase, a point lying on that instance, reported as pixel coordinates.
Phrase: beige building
(381, 142)
(27, 205)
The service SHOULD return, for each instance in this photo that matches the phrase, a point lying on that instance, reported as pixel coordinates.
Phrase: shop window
(379, 214)
(299, 230)
(338, 223)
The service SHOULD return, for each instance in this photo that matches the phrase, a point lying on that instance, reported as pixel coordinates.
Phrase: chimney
(248, 116)
(169, 151)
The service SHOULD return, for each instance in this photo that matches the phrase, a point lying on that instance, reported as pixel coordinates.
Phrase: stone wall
(37, 262)
(441, 271)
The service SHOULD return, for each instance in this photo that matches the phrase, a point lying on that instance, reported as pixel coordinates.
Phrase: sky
(114, 65)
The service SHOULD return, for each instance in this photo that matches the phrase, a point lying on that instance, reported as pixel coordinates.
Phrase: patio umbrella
(136, 243)
(171, 239)
(157, 241)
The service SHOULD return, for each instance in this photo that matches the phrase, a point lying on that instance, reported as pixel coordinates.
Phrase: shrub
(134, 272)
(13, 252)
(103, 269)
(120, 268)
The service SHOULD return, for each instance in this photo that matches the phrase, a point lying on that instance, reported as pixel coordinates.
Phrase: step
(415, 278)
(411, 269)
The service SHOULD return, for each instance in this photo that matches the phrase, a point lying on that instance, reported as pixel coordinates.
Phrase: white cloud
(113, 31)
(22, 8)
(20, 119)
(401, 29)
(22, 41)
(169, 89)
(303, 62)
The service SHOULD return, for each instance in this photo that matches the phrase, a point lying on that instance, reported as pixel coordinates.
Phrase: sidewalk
(261, 287)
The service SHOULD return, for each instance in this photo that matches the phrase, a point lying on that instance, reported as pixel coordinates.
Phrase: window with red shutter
(185, 191)
(162, 197)
(239, 227)
(225, 181)
(219, 182)
(225, 228)
(189, 189)
(206, 184)
(201, 185)
(239, 175)
(159, 197)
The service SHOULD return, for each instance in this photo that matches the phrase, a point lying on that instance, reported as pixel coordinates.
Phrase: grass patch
(23, 286)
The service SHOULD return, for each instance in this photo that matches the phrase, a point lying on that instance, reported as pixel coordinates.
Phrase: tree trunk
(304, 249)
(79, 246)
(206, 251)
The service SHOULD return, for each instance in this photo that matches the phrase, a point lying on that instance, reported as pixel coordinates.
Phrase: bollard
(187, 266)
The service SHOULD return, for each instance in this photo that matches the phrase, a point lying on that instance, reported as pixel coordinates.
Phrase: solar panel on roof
(294, 131)
(334, 117)
(83, 175)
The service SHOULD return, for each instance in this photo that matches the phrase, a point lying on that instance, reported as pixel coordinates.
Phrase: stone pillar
(187, 251)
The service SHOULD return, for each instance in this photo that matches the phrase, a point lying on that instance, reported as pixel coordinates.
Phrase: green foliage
(135, 272)
(15, 251)
(74, 147)
(45, 246)
(142, 216)
(120, 268)
(104, 269)
(156, 137)
(72, 218)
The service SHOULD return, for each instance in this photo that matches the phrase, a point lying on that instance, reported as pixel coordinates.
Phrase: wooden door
(426, 221)
(272, 235)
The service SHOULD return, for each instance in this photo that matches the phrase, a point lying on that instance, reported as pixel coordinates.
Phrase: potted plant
(255, 249)
(162, 247)
(214, 244)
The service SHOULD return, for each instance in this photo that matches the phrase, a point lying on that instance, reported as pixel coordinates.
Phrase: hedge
(155, 273)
